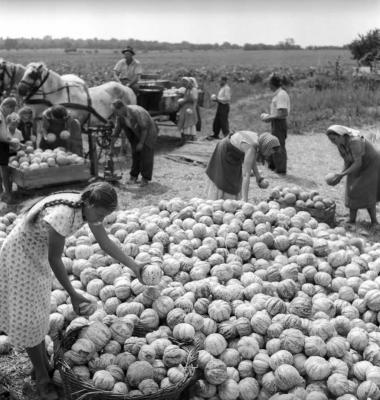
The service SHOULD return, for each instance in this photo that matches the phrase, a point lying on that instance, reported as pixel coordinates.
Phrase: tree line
(48, 42)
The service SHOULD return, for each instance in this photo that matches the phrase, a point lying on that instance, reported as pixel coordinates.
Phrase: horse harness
(34, 90)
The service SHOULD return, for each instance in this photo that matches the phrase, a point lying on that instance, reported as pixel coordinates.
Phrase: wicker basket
(326, 215)
(75, 388)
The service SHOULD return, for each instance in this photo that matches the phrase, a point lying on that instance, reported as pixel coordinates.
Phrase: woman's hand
(138, 272)
(265, 117)
(79, 303)
(336, 179)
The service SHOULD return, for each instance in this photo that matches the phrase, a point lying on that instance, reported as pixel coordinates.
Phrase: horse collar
(35, 90)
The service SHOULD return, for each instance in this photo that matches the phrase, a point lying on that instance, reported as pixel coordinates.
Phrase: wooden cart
(160, 98)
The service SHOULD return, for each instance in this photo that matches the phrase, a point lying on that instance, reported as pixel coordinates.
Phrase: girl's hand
(80, 303)
(138, 272)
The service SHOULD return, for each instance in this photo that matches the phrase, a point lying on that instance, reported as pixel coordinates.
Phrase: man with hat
(128, 70)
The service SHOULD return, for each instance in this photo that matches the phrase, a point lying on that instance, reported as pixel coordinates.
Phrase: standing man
(279, 111)
(221, 117)
(128, 70)
(141, 132)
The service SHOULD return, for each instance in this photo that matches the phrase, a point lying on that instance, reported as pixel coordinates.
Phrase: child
(7, 106)
(12, 121)
(27, 125)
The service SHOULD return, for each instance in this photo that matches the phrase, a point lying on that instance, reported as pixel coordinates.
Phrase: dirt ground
(179, 172)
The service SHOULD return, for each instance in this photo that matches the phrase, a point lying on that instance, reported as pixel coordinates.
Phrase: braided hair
(98, 194)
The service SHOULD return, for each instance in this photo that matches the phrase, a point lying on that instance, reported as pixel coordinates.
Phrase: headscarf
(186, 79)
(342, 130)
(267, 142)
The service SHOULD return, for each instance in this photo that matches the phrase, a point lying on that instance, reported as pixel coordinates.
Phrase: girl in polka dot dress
(30, 253)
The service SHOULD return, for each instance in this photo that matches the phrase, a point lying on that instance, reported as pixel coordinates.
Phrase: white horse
(41, 87)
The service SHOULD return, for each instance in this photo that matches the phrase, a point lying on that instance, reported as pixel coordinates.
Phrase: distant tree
(366, 48)
(10, 43)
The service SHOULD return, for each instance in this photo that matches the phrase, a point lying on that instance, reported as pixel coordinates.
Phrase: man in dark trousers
(279, 111)
(141, 131)
(221, 117)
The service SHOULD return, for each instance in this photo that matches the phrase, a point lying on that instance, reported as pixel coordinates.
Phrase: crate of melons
(321, 208)
(35, 168)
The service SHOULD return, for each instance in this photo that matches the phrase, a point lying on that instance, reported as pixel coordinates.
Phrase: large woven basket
(326, 215)
(75, 388)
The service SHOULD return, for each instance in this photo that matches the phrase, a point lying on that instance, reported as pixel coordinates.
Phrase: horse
(41, 87)
(10, 76)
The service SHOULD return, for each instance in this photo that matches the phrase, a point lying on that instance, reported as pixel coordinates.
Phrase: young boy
(26, 125)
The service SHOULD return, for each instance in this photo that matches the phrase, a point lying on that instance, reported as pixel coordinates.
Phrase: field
(311, 155)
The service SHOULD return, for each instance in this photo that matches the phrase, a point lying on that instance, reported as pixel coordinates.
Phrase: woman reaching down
(230, 165)
(361, 167)
(29, 255)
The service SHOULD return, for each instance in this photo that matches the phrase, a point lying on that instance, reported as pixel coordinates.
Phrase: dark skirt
(4, 153)
(278, 160)
(225, 167)
(363, 186)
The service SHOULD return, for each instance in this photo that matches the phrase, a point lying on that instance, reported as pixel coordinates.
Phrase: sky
(308, 22)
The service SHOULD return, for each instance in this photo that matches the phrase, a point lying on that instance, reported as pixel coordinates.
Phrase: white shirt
(224, 95)
(126, 71)
(280, 100)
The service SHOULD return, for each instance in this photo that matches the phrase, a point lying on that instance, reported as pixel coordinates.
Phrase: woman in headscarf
(361, 167)
(230, 165)
(187, 118)
(198, 125)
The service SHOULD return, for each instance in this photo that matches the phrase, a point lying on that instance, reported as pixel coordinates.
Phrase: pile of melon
(283, 307)
(295, 196)
(33, 159)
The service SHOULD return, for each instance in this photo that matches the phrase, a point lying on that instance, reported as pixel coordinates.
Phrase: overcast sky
(309, 22)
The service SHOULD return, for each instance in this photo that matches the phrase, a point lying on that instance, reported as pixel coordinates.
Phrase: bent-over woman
(230, 165)
(361, 167)
(30, 255)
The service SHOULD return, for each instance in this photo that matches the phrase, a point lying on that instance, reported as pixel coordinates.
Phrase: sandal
(47, 391)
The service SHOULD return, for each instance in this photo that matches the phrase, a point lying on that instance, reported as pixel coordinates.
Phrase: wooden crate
(39, 178)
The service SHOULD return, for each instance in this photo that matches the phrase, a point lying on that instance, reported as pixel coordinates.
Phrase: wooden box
(38, 178)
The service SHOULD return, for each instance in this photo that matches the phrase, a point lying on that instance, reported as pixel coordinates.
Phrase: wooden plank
(38, 178)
